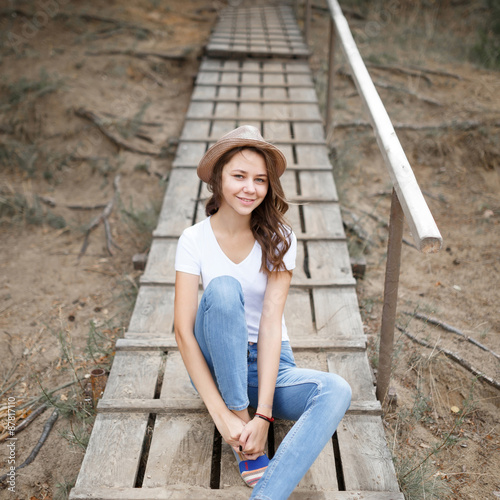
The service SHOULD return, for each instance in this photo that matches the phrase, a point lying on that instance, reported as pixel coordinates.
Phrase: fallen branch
(399, 69)
(83, 207)
(103, 217)
(116, 22)
(454, 357)
(89, 115)
(452, 329)
(437, 72)
(356, 227)
(182, 56)
(45, 433)
(27, 421)
(385, 224)
(388, 86)
(463, 126)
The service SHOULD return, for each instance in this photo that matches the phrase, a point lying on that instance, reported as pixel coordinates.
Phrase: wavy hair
(267, 221)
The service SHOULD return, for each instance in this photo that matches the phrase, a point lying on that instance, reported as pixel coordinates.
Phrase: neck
(230, 222)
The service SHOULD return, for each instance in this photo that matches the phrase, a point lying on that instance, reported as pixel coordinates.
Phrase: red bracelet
(263, 417)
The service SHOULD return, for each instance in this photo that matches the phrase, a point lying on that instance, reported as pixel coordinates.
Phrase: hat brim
(222, 146)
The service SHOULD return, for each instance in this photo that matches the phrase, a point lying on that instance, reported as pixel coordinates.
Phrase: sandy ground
(60, 313)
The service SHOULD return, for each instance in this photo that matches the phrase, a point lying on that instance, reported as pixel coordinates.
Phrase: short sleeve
(187, 256)
(291, 255)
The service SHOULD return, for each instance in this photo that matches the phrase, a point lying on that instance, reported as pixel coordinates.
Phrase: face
(244, 182)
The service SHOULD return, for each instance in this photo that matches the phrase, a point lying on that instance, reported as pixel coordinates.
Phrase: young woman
(234, 343)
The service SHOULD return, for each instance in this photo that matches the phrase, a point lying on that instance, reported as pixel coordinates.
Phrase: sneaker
(252, 470)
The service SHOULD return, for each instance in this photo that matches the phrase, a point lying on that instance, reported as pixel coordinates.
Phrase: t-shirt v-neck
(242, 262)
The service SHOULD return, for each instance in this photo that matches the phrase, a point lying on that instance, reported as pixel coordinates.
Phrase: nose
(249, 186)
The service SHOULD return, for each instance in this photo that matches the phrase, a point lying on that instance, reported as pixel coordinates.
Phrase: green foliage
(15, 208)
(486, 50)
(419, 482)
(23, 90)
(141, 222)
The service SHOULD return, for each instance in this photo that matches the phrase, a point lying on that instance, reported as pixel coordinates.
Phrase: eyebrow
(246, 172)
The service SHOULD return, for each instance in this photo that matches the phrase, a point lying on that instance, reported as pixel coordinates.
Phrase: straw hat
(244, 136)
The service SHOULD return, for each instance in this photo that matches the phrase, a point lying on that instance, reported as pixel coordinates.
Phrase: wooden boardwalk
(153, 438)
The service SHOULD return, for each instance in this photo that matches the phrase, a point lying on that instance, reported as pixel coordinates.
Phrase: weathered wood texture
(153, 438)
(257, 32)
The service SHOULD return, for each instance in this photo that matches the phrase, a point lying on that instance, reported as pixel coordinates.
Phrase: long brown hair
(267, 221)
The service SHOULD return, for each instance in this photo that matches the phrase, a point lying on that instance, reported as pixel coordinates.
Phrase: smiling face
(244, 182)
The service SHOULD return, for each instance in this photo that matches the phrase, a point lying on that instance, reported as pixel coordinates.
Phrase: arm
(185, 308)
(254, 436)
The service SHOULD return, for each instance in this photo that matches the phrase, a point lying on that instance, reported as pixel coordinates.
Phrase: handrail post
(390, 297)
(331, 74)
(307, 20)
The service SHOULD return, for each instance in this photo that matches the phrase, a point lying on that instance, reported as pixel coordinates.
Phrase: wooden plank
(220, 128)
(298, 314)
(114, 451)
(192, 129)
(293, 219)
(277, 131)
(223, 110)
(178, 384)
(146, 342)
(338, 343)
(323, 221)
(366, 460)
(189, 153)
(229, 472)
(199, 109)
(164, 406)
(303, 95)
(355, 369)
(318, 185)
(322, 474)
(305, 111)
(309, 131)
(329, 260)
(153, 313)
(337, 313)
(227, 93)
(232, 493)
(180, 452)
(314, 155)
(226, 97)
(289, 184)
(133, 375)
(160, 265)
(175, 216)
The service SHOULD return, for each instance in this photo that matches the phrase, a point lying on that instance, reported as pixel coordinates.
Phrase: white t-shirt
(199, 253)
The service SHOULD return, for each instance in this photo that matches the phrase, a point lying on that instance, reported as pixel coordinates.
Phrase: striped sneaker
(252, 470)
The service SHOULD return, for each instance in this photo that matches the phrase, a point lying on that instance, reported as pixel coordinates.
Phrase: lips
(246, 201)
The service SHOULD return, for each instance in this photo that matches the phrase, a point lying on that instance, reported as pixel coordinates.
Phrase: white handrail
(422, 225)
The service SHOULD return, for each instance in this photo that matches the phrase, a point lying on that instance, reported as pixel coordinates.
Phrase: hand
(253, 438)
(230, 427)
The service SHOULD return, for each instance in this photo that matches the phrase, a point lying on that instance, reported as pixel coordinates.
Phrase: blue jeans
(316, 400)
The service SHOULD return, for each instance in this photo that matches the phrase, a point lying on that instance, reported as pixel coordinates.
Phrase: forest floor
(62, 308)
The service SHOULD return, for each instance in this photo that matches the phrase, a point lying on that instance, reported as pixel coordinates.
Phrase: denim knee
(225, 291)
(338, 390)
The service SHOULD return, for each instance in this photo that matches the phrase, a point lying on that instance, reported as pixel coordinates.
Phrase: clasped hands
(248, 439)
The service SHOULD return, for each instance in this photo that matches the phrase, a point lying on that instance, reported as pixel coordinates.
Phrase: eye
(238, 176)
(261, 181)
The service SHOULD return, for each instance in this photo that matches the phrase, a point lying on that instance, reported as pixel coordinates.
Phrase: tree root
(27, 421)
(454, 357)
(452, 329)
(103, 217)
(45, 433)
(89, 115)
